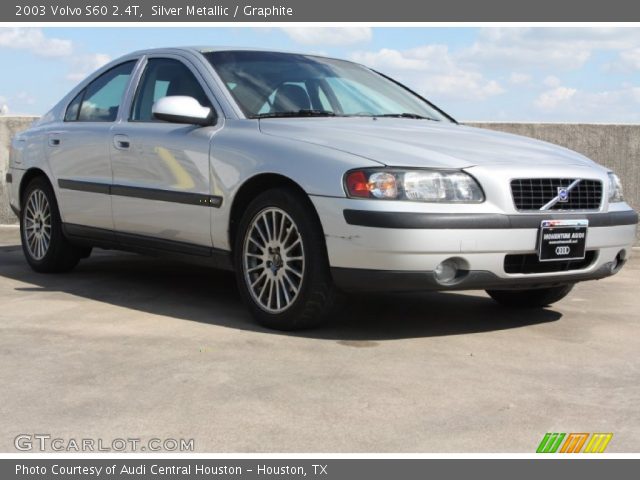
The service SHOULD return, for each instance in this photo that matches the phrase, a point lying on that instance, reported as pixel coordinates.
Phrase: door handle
(121, 142)
(54, 141)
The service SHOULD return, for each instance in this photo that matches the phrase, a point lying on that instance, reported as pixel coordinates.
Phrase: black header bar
(242, 11)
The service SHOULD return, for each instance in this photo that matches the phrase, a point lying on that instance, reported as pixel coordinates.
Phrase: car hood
(421, 143)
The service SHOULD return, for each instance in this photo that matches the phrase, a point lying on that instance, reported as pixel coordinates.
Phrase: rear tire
(532, 298)
(45, 247)
(281, 262)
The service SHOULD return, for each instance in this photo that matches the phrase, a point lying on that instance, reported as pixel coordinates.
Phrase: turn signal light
(357, 184)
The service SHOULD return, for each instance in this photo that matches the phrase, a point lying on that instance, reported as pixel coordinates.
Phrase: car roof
(219, 48)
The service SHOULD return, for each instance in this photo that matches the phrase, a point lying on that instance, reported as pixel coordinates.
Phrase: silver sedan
(309, 177)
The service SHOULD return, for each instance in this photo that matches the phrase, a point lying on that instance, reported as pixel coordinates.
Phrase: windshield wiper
(407, 115)
(299, 113)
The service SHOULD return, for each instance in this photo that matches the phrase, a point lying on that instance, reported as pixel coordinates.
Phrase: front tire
(532, 298)
(281, 262)
(45, 247)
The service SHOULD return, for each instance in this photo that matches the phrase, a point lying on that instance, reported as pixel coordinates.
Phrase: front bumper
(363, 280)
(387, 250)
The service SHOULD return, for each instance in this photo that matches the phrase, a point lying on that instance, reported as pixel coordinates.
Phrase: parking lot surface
(132, 347)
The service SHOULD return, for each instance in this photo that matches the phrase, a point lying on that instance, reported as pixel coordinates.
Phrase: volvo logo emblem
(563, 250)
(563, 194)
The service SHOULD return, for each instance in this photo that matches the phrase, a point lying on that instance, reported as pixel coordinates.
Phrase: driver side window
(165, 77)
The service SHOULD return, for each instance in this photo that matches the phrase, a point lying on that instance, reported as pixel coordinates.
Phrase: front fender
(240, 152)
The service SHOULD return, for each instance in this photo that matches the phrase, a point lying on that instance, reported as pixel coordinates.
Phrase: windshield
(269, 84)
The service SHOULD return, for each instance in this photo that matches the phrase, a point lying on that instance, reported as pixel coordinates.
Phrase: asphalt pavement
(127, 346)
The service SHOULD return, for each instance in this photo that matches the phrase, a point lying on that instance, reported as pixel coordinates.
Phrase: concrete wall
(616, 146)
(9, 126)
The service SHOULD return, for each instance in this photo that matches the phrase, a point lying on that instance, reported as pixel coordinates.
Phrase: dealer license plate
(562, 240)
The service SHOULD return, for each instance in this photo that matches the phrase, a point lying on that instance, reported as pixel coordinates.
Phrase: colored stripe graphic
(550, 443)
(598, 442)
(574, 443)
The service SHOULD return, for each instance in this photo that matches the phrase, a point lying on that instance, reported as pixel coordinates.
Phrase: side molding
(142, 192)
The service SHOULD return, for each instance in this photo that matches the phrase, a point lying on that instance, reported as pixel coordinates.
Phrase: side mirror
(182, 109)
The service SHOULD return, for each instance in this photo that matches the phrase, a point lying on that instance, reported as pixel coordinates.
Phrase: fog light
(446, 271)
(451, 271)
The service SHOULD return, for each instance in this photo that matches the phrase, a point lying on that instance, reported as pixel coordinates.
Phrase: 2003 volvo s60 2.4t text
(309, 177)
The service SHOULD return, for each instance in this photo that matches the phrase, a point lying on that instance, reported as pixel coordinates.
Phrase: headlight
(447, 186)
(615, 188)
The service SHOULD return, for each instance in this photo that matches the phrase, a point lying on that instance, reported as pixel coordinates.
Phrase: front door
(161, 180)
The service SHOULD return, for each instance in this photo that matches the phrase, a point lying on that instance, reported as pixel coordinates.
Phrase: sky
(557, 74)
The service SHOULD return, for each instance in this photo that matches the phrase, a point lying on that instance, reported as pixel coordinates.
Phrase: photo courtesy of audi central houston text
(312, 178)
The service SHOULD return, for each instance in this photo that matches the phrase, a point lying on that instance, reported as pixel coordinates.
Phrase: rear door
(78, 149)
(161, 170)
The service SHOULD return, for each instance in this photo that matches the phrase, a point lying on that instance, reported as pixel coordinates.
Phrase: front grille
(534, 193)
(529, 263)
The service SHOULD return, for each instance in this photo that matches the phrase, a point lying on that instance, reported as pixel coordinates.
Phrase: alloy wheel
(274, 260)
(37, 224)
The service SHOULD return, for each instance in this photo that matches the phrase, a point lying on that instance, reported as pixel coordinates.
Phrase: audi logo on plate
(562, 250)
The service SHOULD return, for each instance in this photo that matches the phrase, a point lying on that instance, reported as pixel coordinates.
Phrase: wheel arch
(254, 186)
(27, 177)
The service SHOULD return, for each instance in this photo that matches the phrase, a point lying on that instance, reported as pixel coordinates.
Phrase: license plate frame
(562, 240)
